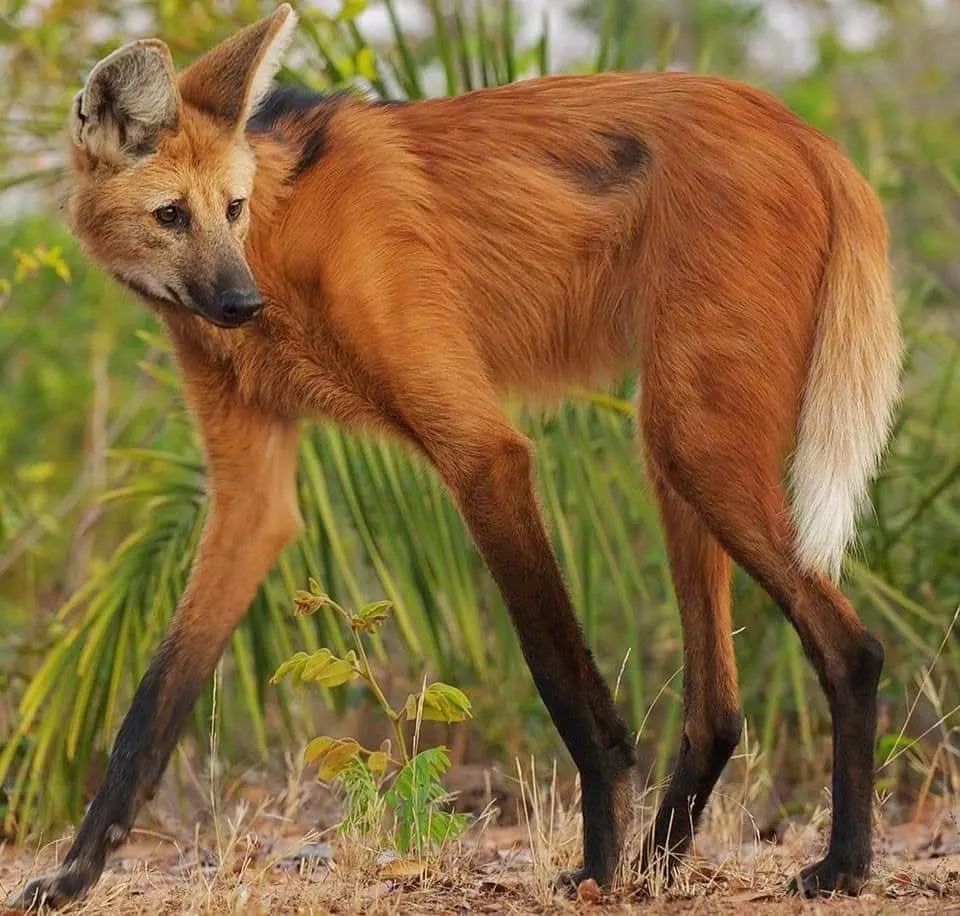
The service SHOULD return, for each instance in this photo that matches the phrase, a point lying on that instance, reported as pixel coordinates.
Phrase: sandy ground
(254, 853)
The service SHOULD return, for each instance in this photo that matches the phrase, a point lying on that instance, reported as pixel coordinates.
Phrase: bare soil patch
(260, 853)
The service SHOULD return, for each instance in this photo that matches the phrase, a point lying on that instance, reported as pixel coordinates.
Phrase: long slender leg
(746, 510)
(848, 661)
(719, 411)
(491, 478)
(252, 461)
(712, 720)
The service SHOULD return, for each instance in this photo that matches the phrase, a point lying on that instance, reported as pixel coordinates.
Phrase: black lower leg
(696, 773)
(853, 707)
(146, 738)
(582, 709)
(501, 511)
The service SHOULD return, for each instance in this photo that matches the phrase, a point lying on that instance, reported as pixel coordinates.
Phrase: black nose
(240, 305)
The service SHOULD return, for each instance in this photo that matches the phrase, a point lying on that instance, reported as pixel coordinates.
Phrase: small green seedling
(405, 791)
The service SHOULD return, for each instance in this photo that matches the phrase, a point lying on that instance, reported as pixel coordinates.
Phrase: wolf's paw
(825, 877)
(52, 890)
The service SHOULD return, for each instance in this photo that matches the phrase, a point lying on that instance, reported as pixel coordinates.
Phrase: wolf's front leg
(252, 463)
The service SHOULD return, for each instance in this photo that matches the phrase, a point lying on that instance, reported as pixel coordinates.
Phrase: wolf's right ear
(129, 99)
(231, 79)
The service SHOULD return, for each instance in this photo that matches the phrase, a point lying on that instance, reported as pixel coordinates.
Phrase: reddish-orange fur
(409, 232)
(432, 258)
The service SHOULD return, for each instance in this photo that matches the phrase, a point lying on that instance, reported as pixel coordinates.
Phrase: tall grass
(380, 525)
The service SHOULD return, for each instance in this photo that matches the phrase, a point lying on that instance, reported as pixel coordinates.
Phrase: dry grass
(251, 844)
(251, 851)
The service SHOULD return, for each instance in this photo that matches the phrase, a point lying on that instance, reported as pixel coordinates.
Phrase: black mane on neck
(298, 114)
(283, 102)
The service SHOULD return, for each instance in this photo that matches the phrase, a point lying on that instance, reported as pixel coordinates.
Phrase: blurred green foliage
(101, 483)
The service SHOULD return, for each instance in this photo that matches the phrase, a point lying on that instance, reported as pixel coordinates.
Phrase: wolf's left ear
(229, 81)
(129, 99)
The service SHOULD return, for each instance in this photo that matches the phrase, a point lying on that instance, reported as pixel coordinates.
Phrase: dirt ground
(255, 853)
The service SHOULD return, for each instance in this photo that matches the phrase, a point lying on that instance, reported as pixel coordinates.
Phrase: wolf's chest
(297, 375)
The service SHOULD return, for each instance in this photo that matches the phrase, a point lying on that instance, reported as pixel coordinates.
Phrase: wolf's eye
(234, 209)
(170, 216)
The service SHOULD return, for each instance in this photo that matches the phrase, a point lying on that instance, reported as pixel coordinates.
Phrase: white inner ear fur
(129, 97)
(269, 63)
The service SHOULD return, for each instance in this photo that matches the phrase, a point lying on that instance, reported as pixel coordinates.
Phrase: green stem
(392, 714)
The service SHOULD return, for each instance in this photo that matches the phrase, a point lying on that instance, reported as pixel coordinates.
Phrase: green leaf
(351, 9)
(36, 473)
(293, 665)
(889, 744)
(346, 66)
(363, 803)
(419, 778)
(325, 669)
(443, 826)
(366, 63)
(378, 762)
(416, 796)
(441, 703)
(371, 617)
(331, 754)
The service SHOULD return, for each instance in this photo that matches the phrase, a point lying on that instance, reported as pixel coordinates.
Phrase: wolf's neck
(299, 119)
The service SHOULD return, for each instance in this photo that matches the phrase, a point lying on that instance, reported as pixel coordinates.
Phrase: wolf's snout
(239, 305)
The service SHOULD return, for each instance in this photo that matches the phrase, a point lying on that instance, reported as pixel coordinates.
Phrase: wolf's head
(162, 172)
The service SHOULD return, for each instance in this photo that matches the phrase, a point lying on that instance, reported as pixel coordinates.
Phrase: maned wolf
(399, 268)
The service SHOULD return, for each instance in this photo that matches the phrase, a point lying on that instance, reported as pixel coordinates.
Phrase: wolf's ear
(129, 98)
(229, 81)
